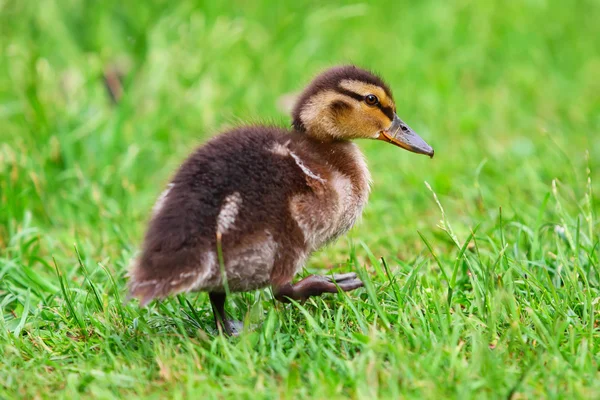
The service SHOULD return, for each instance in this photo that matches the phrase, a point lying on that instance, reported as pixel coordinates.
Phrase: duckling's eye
(371, 99)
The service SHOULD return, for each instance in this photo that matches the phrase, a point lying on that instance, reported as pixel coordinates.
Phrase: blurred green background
(508, 94)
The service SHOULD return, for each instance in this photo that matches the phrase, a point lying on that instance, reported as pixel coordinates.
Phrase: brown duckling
(247, 209)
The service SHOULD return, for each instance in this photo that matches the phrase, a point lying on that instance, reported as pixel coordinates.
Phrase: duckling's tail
(151, 278)
(142, 288)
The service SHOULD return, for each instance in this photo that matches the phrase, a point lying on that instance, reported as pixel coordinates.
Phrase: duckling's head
(350, 103)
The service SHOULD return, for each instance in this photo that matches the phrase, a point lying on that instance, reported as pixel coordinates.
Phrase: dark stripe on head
(349, 93)
(388, 111)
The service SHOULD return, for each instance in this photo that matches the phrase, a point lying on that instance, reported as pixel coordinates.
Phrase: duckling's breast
(340, 182)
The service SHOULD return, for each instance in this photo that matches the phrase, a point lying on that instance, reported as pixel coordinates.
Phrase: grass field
(482, 266)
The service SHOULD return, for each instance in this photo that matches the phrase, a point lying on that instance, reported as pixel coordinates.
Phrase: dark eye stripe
(388, 111)
(350, 93)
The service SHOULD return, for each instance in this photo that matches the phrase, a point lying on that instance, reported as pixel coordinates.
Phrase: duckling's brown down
(266, 196)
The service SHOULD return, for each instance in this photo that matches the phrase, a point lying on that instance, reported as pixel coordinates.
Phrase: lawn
(482, 265)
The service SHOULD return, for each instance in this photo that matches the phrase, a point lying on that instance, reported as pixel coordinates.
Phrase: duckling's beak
(403, 136)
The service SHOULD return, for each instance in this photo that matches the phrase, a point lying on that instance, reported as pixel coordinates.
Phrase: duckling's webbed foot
(225, 325)
(315, 285)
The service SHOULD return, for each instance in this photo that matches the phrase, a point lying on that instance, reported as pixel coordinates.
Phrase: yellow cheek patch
(377, 115)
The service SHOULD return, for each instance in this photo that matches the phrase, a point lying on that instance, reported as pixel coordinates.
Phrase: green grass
(493, 291)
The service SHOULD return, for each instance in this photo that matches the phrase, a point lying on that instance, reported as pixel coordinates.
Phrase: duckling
(246, 209)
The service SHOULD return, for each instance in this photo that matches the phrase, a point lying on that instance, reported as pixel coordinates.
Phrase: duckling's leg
(225, 325)
(315, 285)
